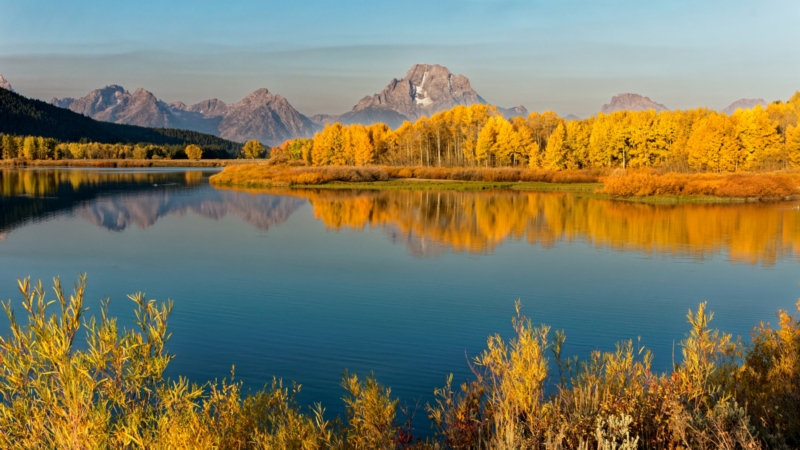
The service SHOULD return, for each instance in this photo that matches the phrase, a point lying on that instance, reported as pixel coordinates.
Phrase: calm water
(304, 284)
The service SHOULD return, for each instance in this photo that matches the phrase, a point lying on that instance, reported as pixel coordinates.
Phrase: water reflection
(118, 200)
(427, 223)
(478, 222)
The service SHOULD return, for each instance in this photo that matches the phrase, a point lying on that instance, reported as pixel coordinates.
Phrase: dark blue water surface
(302, 285)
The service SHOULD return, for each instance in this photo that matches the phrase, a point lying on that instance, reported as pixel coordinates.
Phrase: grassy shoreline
(640, 187)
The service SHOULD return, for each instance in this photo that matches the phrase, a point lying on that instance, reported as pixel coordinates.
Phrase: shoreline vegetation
(121, 163)
(692, 154)
(647, 185)
(526, 394)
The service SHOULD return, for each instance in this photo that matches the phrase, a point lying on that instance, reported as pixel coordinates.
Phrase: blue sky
(570, 56)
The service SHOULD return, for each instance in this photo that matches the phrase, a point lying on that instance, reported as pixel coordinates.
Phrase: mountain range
(261, 115)
(271, 119)
(28, 117)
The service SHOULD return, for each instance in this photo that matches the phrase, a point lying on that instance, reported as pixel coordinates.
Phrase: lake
(303, 284)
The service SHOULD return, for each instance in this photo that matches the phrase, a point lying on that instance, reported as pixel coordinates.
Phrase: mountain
(323, 119)
(425, 90)
(631, 102)
(5, 84)
(744, 103)
(514, 112)
(266, 117)
(261, 115)
(571, 117)
(24, 116)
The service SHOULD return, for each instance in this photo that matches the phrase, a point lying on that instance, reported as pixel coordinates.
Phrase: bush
(643, 184)
(113, 394)
(260, 175)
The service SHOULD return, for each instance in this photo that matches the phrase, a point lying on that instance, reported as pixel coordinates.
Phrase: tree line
(27, 117)
(479, 136)
(44, 148)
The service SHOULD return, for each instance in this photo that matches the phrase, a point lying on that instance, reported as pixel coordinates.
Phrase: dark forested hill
(23, 116)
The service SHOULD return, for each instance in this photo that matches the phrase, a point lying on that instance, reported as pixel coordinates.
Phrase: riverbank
(122, 163)
(639, 186)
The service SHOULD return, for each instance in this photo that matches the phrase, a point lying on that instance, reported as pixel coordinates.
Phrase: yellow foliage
(193, 151)
(113, 394)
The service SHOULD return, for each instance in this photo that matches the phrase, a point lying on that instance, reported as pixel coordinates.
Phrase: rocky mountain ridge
(425, 90)
(631, 102)
(5, 84)
(744, 103)
(261, 115)
(271, 119)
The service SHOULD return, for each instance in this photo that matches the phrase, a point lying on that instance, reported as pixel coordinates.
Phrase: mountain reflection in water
(116, 201)
(428, 223)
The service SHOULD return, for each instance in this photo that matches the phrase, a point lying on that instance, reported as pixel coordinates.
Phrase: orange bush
(282, 175)
(289, 174)
(644, 184)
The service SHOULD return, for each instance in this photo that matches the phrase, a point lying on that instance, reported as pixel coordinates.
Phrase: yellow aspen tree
(363, 151)
(599, 142)
(578, 134)
(524, 139)
(329, 146)
(556, 151)
(759, 139)
(29, 148)
(505, 142)
(534, 156)
(193, 151)
(252, 149)
(793, 145)
(485, 143)
(382, 139)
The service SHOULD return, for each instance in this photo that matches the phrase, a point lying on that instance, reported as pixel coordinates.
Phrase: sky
(569, 56)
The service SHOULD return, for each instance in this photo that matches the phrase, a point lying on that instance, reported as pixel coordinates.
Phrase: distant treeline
(26, 117)
(41, 148)
(479, 136)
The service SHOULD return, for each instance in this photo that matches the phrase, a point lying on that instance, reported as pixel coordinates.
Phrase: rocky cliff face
(631, 102)
(744, 103)
(262, 116)
(4, 84)
(115, 104)
(425, 90)
(266, 117)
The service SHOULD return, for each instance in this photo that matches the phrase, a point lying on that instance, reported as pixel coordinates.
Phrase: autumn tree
(713, 145)
(193, 151)
(555, 155)
(29, 148)
(759, 139)
(485, 145)
(252, 149)
(792, 145)
(10, 147)
(329, 146)
(360, 145)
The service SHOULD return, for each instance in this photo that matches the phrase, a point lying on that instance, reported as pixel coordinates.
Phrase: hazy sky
(568, 56)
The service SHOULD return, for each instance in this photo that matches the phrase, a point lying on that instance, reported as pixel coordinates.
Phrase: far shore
(123, 163)
(645, 186)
